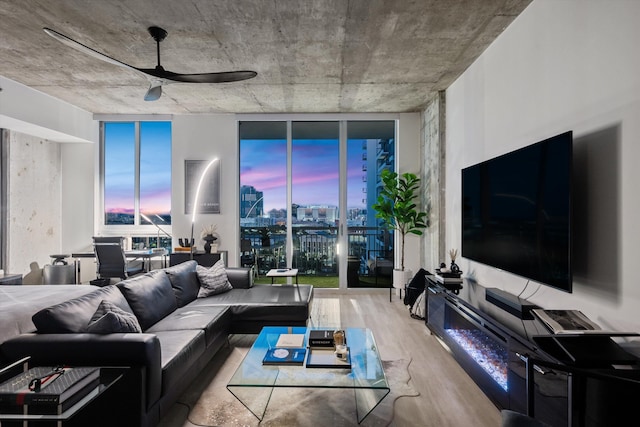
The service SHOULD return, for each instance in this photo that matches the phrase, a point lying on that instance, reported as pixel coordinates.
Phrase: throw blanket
(19, 302)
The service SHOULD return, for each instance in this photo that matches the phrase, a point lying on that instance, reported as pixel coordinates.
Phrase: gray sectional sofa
(180, 333)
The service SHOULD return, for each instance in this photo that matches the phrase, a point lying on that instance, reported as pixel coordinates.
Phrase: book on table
(49, 390)
(290, 340)
(566, 321)
(284, 356)
(326, 358)
(448, 279)
(321, 338)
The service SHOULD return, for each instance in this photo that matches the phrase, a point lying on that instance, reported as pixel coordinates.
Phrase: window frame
(136, 229)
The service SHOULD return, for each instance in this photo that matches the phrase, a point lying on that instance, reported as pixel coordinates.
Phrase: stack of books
(48, 390)
(567, 321)
(322, 351)
(289, 350)
(448, 277)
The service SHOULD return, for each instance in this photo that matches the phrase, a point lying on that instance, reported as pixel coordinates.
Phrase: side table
(283, 272)
(108, 377)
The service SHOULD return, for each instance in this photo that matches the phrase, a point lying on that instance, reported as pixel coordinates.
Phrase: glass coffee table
(253, 383)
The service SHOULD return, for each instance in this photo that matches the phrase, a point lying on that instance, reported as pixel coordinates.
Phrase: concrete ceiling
(313, 56)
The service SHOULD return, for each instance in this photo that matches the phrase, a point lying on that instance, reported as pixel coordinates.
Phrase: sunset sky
(315, 170)
(155, 167)
(315, 166)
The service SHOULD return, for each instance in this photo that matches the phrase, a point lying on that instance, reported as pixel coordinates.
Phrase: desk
(145, 254)
(283, 272)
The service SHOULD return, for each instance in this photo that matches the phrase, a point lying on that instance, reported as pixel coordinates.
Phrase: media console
(493, 338)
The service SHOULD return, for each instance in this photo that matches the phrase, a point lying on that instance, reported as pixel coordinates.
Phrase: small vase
(208, 239)
(454, 267)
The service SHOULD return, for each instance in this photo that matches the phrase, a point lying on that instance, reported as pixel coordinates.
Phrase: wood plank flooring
(448, 396)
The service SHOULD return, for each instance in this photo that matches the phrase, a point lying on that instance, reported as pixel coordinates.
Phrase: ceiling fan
(158, 75)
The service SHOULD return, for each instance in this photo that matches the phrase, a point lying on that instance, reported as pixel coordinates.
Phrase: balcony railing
(370, 251)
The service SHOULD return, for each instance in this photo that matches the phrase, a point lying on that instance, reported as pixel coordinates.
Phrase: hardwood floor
(448, 396)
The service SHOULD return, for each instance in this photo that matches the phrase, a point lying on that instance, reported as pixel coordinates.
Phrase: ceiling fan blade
(85, 49)
(154, 92)
(222, 77)
(159, 74)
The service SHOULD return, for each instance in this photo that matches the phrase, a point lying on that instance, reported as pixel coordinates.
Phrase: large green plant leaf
(396, 205)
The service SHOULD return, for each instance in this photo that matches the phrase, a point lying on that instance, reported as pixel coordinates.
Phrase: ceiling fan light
(154, 92)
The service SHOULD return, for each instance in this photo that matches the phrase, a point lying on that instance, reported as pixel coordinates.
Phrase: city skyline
(315, 172)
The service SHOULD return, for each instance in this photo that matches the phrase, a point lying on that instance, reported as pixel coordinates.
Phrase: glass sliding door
(370, 149)
(263, 195)
(315, 173)
(306, 190)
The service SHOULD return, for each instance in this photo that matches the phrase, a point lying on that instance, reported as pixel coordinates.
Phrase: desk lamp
(195, 202)
(158, 227)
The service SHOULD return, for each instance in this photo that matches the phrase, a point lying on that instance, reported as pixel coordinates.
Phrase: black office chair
(112, 262)
(109, 239)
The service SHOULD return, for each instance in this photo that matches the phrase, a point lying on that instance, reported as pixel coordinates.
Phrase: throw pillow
(109, 318)
(213, 280)
(73, 316)
(150, 297)
(184, 281)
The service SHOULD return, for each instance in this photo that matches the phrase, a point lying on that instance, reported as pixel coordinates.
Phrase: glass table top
(366, 375)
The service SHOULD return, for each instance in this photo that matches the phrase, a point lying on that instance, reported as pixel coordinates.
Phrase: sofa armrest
(240, 277)
(92, 350)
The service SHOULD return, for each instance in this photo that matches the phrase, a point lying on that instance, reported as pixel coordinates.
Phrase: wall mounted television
(516, 212)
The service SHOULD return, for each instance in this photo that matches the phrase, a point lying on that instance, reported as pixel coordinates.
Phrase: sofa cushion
(108, 319)
(180, 352)
(150, 296)
(184, 281)
(213, 320)
(264, 302)
(213, 280)
(240, 277)
(73, 316)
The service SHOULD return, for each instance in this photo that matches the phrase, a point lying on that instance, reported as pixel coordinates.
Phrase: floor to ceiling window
(370, 150)
(136, 177)
(299, 181)
(263, 195)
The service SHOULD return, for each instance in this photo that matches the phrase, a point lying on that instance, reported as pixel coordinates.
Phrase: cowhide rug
(210, 403)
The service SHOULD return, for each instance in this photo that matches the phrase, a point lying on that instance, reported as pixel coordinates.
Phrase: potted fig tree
(397, 207)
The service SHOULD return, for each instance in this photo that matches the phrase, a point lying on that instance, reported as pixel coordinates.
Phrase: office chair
(112, 262)
(109, 239)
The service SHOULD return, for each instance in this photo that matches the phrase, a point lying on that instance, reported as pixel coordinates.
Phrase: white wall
(563, 65)
(34, 113)
(204, 137)
(51, 177)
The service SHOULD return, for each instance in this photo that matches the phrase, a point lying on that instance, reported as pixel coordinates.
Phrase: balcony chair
(249, 256)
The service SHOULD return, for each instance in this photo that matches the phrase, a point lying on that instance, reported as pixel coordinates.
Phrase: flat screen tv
(516, 212)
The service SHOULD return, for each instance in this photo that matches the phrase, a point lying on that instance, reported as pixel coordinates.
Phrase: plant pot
(401, 278)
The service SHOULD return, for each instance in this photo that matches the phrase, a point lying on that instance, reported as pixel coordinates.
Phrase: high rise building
(251, 202)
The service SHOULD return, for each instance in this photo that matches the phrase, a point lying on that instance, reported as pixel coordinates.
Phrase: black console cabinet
(204, 259)
(492, 346)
